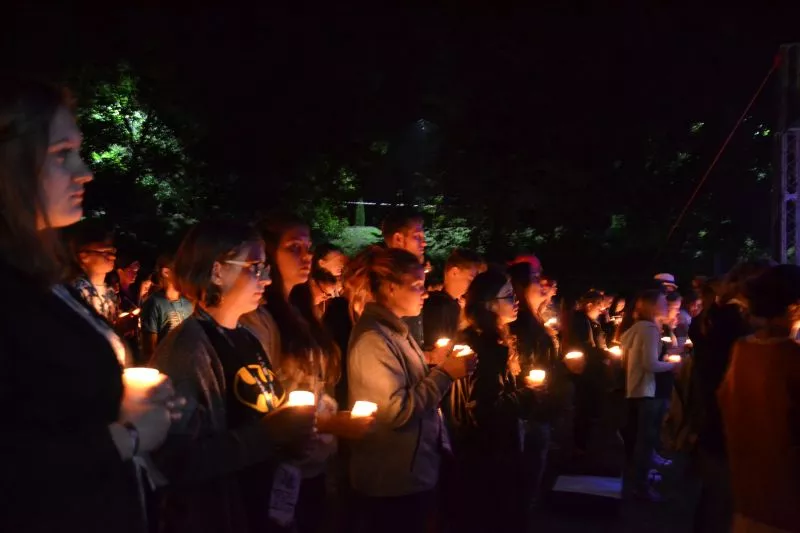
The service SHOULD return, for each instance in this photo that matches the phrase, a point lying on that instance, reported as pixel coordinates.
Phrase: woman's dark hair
(389, 265)
(26, 114)
(205, 244)
(521, 279)
(300, 338)
(483, 289)
(592, 297)
(770, 294)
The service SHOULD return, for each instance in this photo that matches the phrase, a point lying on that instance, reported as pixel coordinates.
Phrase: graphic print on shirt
(257, 388)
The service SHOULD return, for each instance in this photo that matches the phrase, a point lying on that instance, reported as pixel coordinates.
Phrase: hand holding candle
(363, 409)
(536, 378)
(615, 351)
(462, 350)
(575, 362)
(674, 358)
(301, 398)
(141, 383)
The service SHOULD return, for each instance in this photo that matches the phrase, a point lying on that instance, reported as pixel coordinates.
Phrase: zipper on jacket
(416, 447)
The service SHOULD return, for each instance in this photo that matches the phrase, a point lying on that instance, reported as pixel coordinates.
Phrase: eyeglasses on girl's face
(258, 269)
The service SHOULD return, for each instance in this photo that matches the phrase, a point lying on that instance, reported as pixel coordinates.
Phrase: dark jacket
(495, 404)
(218, 467)
(60, 388)
(713, 334)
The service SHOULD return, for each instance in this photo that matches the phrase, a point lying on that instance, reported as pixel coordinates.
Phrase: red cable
(775, 65)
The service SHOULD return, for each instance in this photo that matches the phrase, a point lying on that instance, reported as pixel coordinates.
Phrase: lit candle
(139, 381)
(462, 350)
(441, 343)
(667, 340)
(537, 376)
(574, 355)
(551, 322)
(363, 409)
(300, 398)
(616, 351)
(674, 358)
(688, 343)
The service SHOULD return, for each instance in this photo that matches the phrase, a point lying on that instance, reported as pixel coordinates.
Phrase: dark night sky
(271, 87)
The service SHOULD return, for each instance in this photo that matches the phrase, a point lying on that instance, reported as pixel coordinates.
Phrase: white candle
(574, 355)
(462, 350)
(139, 381)
(441, 343)
(674, 358)
(616, 351)
(551, 322)
(363, 409)
(537, 376)
(300, 398)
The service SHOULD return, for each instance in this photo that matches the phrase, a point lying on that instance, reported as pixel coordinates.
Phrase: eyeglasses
(111, 252)
(508, 297)
(258, 270)
(328, 295)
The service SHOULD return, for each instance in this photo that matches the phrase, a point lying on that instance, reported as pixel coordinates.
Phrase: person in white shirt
(641, 347)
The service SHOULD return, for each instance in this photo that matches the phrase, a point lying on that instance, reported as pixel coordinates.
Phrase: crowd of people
(469, 381)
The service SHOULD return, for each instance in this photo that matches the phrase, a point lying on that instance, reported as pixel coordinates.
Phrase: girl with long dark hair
(70, 428)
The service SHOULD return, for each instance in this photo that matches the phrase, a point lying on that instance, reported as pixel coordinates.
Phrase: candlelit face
(411, 239)
(243, 278)
(407, 297)
(505, 305)
(98, 258)
(63, 174)
(457, 280)
(334, 262)
(292, 257)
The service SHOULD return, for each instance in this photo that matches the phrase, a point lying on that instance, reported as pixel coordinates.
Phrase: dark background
(565, 132)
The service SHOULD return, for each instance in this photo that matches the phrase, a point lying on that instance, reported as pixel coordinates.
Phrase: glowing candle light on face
(139, 381)
(363, 409)
(537, 376)
(441, 343)
(300, 398)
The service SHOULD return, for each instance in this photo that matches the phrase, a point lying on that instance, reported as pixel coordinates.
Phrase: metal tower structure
(786, 216)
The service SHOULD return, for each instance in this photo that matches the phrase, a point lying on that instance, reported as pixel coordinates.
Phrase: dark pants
(311, 512)
(401, 514)
(641, 438)
(715, 503)
(588, 406)
(537, 443)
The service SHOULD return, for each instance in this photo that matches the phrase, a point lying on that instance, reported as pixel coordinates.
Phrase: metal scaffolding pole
(786, 215)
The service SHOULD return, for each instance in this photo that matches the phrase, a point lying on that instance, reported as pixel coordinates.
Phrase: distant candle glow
(667, 340)
(574, 355)
(616, 351)
(441, 343)
(300, 398)
(688, 343)
(363, 409)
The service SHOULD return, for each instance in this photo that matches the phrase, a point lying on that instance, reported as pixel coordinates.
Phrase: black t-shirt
(440, 318)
